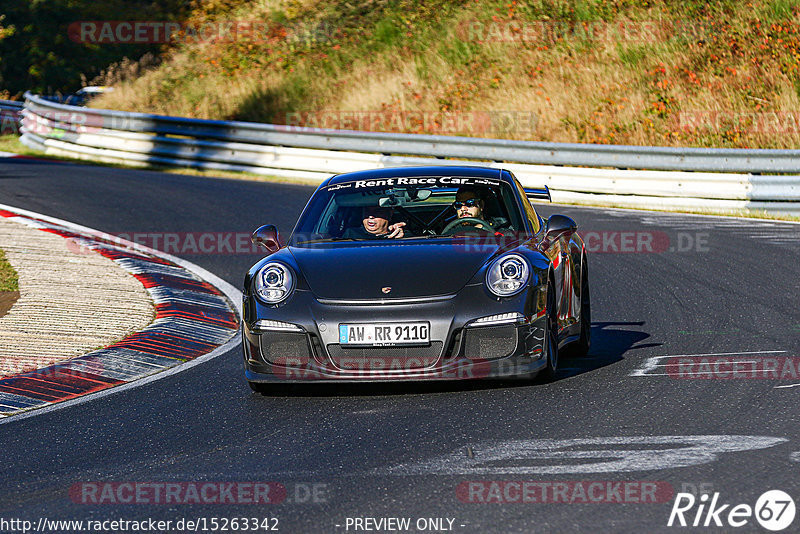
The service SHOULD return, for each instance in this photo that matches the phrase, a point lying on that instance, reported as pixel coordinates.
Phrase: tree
(37, 52)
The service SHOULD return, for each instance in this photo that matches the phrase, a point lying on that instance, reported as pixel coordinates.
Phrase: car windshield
(425, 207)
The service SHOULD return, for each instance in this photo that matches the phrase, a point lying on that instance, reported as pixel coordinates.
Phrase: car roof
(432, 170)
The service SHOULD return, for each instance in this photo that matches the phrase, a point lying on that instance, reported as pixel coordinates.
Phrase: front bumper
(306, 346)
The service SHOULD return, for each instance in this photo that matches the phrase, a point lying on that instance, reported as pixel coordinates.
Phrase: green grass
(10, 143)
(778, 10)
(9, 280)
(633, 55)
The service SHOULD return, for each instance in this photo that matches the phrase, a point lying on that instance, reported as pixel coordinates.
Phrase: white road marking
(583, 455)
(651, 364)
(787, 386)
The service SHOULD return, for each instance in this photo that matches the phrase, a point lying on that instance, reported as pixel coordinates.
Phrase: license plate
(377, 334)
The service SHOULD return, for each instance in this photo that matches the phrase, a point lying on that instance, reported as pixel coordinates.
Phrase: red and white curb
(197, 319)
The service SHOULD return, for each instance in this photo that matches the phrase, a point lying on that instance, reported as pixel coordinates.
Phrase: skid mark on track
(582, 455)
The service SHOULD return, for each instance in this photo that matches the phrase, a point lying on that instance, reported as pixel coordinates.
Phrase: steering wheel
(469, 220)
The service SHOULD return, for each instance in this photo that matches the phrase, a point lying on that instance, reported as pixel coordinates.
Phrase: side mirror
(267, 237)
(558, 226)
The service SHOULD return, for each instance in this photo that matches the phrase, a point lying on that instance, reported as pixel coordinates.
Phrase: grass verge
(9, 281)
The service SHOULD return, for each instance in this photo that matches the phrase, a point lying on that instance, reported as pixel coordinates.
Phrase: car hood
(350, 271)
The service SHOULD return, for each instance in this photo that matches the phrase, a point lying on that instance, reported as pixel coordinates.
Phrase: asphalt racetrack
(605, 448)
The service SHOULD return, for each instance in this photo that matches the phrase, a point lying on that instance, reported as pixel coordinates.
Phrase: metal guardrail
(314, 154)
(12, 104)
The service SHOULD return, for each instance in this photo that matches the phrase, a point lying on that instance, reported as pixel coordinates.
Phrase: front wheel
(580, 348)
(548, 374)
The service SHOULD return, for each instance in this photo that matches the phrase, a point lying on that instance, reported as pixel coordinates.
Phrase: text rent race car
(474, 283)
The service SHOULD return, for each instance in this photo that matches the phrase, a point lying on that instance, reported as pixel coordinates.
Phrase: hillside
(683, 73)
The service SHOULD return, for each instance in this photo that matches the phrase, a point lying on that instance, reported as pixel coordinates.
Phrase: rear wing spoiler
(538, 194)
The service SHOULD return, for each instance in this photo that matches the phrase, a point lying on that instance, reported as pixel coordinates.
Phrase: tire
(548, 374)
(580, 348)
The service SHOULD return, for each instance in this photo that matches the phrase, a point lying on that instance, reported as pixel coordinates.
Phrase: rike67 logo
(774, 510)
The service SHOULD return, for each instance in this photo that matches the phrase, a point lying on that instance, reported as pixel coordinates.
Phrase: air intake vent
(489, 342)
(284, 348)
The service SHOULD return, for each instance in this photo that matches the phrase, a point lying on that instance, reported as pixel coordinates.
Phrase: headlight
(507, 275)
(274, 282)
